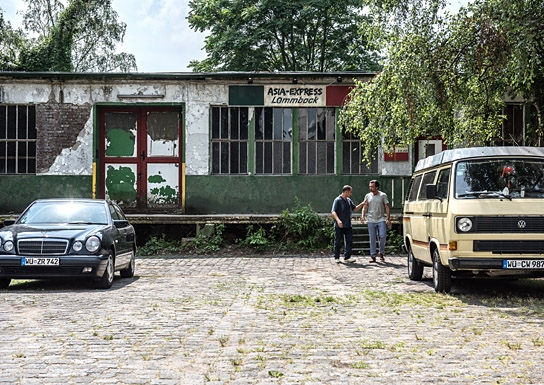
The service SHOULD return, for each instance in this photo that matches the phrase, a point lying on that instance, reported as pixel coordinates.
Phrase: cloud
(158, 34)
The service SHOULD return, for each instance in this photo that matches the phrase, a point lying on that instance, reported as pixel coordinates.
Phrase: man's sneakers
(372, 260)
(382, 259)
(346, 260)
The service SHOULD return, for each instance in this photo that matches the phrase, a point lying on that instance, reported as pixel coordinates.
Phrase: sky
(157, 33)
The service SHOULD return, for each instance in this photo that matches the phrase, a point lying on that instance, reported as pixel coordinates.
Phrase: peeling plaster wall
(77, 159)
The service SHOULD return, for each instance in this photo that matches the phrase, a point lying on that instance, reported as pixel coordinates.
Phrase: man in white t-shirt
(377, 214)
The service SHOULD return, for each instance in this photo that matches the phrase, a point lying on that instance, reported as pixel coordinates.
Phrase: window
(316, 140)
(428, 178)
(512, 127)
(229, 140)
(17, 139)
(273, 140)
(414, 188)
(352, 162)
(443, 183)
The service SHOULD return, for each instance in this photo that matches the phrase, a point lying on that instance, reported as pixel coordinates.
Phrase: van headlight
(464, 225)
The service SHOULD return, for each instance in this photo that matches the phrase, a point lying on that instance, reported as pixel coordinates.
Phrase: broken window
(273, 140)
(229, 152)
(352, 162)
(17, 139)
(316, 128)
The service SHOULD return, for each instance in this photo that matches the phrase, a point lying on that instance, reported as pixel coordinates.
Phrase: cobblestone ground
(271, 320)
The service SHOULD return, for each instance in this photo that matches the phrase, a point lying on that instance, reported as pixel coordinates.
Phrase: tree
(449, 75)
(11, 42)
(288, 35)
(80, 37)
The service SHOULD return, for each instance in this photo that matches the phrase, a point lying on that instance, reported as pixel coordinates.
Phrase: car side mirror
(120, 223)
(9, 222)
(430, 191)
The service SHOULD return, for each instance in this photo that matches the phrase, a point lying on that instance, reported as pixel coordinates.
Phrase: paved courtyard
(271, 320)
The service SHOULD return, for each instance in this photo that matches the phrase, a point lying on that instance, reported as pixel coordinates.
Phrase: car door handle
(427, 215)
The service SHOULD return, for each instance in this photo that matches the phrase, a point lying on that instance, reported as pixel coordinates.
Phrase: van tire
(441, 275)
(415, 269)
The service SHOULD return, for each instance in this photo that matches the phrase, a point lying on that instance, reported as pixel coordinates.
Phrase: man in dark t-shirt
(343, 232)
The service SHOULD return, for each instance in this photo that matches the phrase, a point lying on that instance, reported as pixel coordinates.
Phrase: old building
(186, 143)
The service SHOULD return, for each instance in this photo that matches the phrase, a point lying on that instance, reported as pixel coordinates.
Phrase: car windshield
(65, 212)
(502, 178)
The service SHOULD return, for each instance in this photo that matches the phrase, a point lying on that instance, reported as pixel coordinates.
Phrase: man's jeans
(345, 235)
(377, 230)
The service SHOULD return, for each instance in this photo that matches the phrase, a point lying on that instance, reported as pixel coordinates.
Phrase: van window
(428, 178)
(515, 178)
(442, 185)
(414, 188)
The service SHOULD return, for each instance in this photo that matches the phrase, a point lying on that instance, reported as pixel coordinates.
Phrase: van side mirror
(430, 191)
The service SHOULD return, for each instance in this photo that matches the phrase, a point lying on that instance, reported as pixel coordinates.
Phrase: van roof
(448, 156)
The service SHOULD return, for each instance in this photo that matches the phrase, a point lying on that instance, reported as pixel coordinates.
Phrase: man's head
(346, 191)
(374, 186)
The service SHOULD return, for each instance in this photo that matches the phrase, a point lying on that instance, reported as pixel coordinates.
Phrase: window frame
(18, 139)
(229, 141)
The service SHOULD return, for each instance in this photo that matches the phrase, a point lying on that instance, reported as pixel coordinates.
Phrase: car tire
(106, 280)
(129, 271)
(441, 275)
(415, 269)
(4, 283)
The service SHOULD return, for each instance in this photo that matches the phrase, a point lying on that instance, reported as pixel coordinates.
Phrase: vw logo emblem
(522, 224)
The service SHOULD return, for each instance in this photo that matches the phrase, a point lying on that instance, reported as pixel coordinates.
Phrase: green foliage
(79, 37)
(201, 244)
(157, 246)
(448, 75)
(255, 239)
(302, 228)
(272, 35)
(394, 241)
(204, 244)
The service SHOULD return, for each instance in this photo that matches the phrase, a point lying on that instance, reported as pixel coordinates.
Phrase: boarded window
(17, 139)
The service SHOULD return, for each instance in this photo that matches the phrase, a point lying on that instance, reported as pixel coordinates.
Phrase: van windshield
(499, 178)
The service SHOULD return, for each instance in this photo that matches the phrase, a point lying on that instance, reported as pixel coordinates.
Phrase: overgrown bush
(201, 244)
(255, 239)
(302, 228)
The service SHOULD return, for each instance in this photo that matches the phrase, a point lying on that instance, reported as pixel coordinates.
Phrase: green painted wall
(213, 194)
(273, 194)
(17, 191)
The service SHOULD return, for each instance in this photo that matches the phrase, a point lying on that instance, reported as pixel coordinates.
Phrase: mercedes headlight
(92, 244)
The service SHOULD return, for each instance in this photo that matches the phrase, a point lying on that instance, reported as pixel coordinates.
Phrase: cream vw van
(476, 212)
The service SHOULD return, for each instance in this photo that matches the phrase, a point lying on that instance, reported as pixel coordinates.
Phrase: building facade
(186, 143)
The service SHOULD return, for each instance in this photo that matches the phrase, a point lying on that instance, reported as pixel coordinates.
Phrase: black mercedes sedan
(68, 238)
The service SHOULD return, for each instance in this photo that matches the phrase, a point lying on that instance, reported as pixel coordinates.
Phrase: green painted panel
(273, 194)
(120, 143)
(19, 190)
(246, 95)
(121, 184)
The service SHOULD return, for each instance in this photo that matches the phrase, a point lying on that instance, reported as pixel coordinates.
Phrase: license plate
(39, 261)
(523, 264)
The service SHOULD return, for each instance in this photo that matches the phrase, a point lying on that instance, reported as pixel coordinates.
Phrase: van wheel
(415, 269)
(441, 275)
